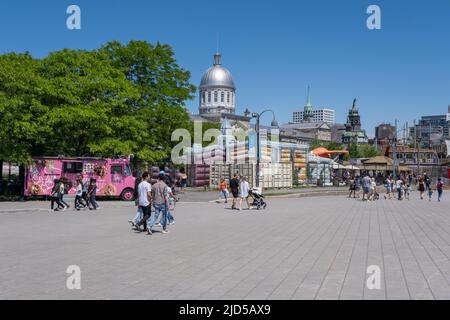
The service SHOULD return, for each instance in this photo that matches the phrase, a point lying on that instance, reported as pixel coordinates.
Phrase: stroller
(258, 199)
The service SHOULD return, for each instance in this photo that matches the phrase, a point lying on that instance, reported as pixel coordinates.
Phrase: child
(172, 200)
(407, 191)
(375, 195)
(223, 190)
(439, 188)
(430, 193)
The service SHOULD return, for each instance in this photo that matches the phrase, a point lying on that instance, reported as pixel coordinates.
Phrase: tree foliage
(362, 151)
(330, 145)
(117, 100)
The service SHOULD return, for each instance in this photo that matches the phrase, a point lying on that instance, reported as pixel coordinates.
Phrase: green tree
(362, 151)
(22, 115)
(117, 100)
(163, 88)
(330, 145)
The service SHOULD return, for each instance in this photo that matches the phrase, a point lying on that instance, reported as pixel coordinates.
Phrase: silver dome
(217, 76)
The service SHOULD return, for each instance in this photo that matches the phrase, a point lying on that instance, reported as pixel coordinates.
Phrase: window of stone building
(222, 96)
(209, 96)
(215, 96)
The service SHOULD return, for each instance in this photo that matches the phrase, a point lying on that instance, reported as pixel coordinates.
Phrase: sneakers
(165, 231)
(158, 225)
(149, 232)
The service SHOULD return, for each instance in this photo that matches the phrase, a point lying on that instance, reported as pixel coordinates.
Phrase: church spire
(308, 110)
(308, 99)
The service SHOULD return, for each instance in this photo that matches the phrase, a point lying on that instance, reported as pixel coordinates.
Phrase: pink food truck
(113, 176)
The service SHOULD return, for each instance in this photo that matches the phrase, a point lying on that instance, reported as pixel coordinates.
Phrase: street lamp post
(394, 153)
(274, 123)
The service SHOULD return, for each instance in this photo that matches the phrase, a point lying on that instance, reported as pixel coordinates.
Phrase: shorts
(235, 194)
(366, 190)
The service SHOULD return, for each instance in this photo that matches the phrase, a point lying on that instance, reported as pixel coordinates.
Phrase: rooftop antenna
(217, 55)
(217, 42)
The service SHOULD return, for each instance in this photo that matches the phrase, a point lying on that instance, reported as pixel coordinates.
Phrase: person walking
(62, 191)
(399, 185)
(139, 214)
(224, 190)
(351, 182)
(388, 186)
(92, 191)
(430, 194)
(234, 187)
(183, 180)
(171, 207)
(244, 188)
(406, 190)
(358, 186)
(439, 188)
(427, 181)
(373, 190)
(421, 186)
(366, 184)
(79, 196)
(54, 197)
(144, 203)
(160, 197)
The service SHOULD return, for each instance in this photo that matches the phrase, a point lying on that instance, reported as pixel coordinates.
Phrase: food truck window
(72, 167)
(116, 169)
(127, 170)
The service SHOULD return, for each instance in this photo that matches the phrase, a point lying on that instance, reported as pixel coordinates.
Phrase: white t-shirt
(79, 190)
(244, 189)
(143, 188)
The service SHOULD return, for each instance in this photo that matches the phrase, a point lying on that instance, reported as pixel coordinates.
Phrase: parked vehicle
(114, 177)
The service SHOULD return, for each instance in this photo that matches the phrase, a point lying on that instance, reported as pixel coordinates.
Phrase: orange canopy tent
(325, 153)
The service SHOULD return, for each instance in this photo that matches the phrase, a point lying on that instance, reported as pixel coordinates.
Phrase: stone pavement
(308, 248)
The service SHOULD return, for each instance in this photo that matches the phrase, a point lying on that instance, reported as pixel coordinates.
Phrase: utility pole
(394, 153)
(258, 151)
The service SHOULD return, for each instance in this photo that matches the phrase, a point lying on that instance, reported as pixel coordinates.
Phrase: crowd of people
(241, 192)
(155, 204)
(399, 188)
(84, 197)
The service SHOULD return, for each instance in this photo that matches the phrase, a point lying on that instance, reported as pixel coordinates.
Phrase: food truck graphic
(113, 176)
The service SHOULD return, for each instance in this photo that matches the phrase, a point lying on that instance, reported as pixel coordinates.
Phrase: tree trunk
(22, 180)
(1, 176)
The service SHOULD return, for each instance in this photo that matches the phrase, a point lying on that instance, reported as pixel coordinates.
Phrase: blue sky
(274, 49)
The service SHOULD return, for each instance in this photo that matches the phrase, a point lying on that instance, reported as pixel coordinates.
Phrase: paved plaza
(299, 248)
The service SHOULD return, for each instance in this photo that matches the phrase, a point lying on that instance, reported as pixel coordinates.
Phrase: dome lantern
(217, 89)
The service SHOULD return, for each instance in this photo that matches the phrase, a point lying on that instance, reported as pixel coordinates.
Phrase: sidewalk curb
(302, 195)
(24, 210)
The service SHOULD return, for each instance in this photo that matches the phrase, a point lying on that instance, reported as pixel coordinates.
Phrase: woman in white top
(244, 188)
